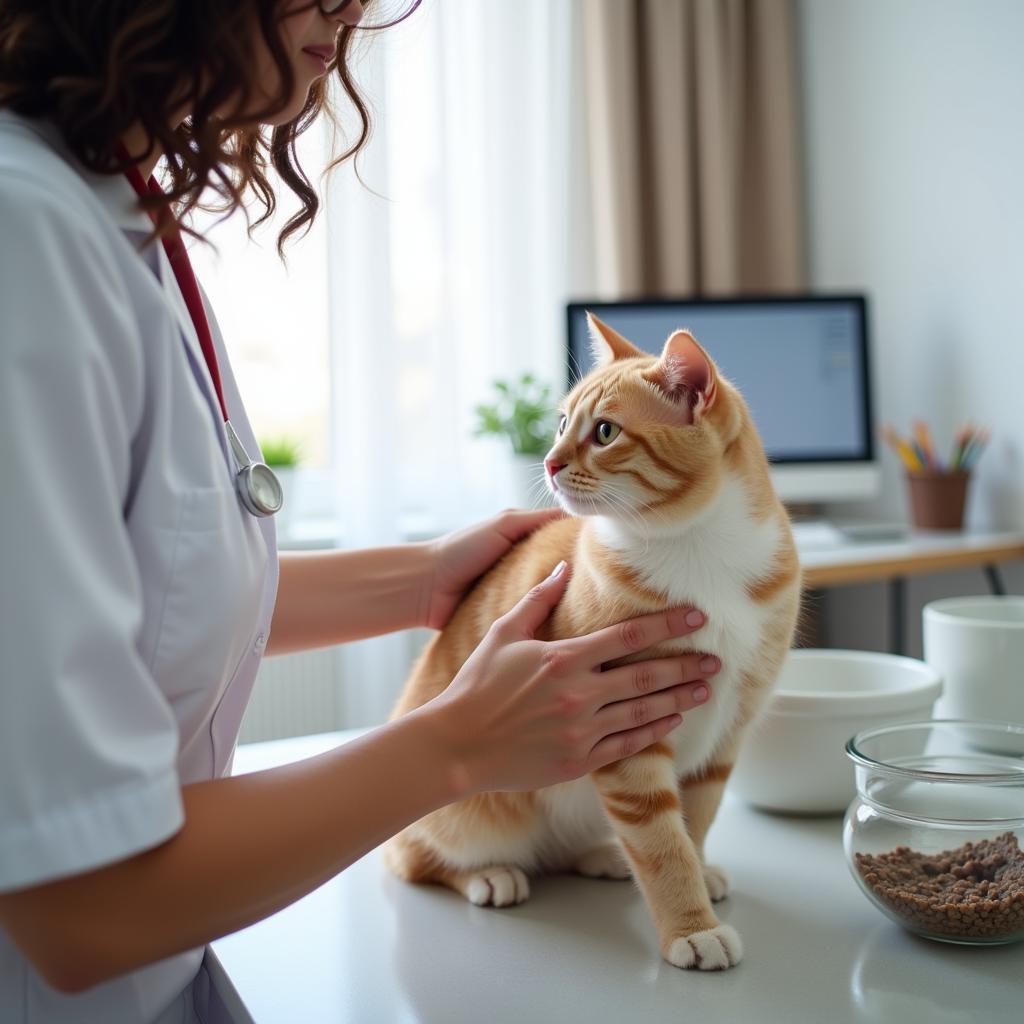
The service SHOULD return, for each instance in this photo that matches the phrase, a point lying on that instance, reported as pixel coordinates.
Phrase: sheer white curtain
(451, 272)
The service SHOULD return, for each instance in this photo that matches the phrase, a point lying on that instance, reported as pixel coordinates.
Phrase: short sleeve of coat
(88, 743)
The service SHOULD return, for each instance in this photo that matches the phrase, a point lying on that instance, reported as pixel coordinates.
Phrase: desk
(893, 561)
(368, 949)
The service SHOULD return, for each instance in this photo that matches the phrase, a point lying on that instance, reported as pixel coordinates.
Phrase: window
(274, 320)
(443, 268)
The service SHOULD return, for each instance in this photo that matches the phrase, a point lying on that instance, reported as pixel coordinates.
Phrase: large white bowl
(977, 644)
(794, 758)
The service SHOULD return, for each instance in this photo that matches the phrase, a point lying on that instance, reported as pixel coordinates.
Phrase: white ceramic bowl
(977, 644)
(794, 759)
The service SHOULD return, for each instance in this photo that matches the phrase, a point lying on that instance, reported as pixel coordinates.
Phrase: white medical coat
(137, 593)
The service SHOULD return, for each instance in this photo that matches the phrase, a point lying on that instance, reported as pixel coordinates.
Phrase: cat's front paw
(716, 881)
(497, 887)
(711, 950)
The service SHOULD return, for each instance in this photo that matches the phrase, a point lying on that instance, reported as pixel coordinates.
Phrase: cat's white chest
(710, 565)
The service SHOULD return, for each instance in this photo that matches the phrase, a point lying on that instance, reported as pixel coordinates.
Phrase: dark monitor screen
(801, 364)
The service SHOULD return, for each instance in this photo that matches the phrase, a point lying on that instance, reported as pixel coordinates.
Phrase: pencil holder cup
(937, 499)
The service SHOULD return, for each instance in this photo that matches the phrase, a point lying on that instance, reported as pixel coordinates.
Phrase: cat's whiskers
(619, 492)
(620, 503)
(537, 490)
(617, 506)
(653, 513)
(644, 512)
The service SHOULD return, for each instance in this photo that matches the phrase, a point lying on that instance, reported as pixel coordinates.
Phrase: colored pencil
(917, 453)
(974, 449)
(923, 439)
(959, 444)
(906, 453)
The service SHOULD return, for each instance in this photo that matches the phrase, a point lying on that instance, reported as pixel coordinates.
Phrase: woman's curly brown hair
(95, 68)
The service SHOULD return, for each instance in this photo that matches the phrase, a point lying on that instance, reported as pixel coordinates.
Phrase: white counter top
(368, 949)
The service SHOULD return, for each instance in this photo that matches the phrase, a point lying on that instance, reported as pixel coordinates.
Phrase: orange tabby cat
(658, 463)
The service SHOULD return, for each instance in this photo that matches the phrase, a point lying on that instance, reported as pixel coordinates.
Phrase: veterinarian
(141, 581)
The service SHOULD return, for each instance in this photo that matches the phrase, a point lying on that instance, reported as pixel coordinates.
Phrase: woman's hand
(459, 558)
(523, 713)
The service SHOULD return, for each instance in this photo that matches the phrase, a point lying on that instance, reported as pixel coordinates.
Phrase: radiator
(295, 694)
(328, 689)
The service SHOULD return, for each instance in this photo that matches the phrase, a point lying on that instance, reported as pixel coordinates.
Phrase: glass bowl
(934, 834)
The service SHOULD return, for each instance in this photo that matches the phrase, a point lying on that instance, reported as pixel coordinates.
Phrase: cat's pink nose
(553, 467)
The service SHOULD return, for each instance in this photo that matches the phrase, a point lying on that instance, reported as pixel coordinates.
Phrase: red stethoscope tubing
(258, 488)
(177, 256)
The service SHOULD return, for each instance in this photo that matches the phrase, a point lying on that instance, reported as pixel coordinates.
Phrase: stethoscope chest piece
(258, 488)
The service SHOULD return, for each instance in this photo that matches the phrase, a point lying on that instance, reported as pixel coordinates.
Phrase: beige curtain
(692, 146)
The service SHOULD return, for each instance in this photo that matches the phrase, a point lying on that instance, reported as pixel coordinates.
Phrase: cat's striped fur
(678, 509)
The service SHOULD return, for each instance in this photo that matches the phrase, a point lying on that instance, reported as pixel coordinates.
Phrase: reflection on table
(368, 949)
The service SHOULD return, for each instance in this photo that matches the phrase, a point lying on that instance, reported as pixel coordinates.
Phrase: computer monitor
(801, 363)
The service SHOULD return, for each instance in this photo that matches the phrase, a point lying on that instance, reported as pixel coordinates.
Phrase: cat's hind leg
(493, 886)
(605, 861)
(716, 881)
(701, 795)
(504, 886)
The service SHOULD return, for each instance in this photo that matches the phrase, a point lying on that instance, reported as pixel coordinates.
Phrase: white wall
(914, 142)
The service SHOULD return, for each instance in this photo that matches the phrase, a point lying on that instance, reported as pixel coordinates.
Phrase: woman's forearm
(331, 597)
(250, 845)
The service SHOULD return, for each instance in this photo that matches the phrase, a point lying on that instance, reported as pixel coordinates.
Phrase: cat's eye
(562, 425)
(605, 432)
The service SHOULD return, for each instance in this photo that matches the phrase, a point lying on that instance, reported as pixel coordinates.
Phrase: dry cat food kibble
(973, 892)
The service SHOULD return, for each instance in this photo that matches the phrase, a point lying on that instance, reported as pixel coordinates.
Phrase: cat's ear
(606, 344)
(685, 373)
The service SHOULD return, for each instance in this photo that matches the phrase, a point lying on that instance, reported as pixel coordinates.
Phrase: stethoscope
(258, 488)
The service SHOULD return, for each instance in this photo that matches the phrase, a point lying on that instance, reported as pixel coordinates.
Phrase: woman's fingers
(514, 524)
(668, 687)
(630, 714)
(644, 677)
(525, 618)
(634, 635)
(625, 744)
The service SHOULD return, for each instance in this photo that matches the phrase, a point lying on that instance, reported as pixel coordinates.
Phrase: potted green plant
(283, 454)
(522, 412)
